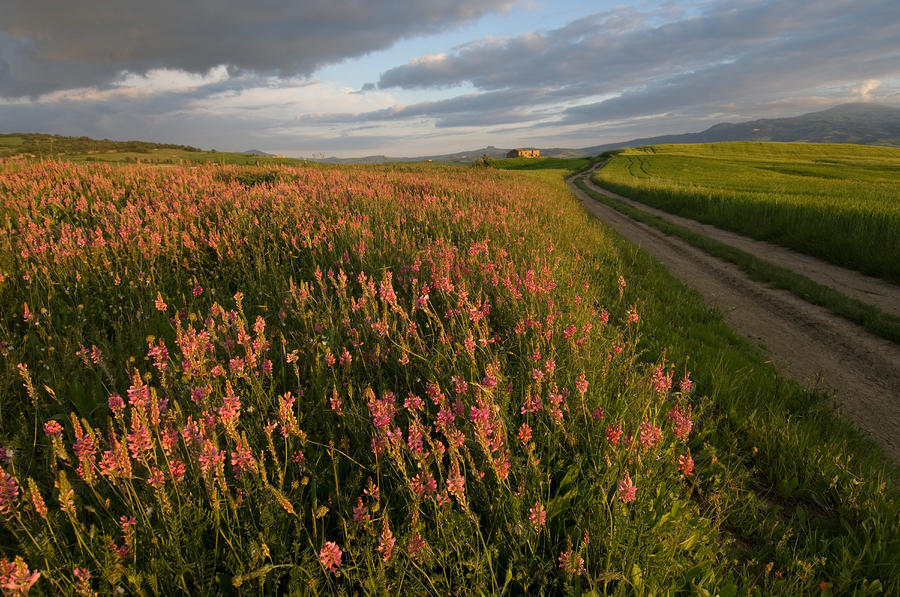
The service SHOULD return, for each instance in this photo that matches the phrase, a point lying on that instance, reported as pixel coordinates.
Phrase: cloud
(47, 45)
(635, 64)
(866, 88)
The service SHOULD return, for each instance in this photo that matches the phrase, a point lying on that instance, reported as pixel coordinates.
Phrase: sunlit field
(837, 202)
(393, 380)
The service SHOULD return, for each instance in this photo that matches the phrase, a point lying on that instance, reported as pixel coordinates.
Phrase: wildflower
(139, 441)
(649, 435)
(330, 556)
(160, 355)
(532, 404)
(627, 489)
(386, 542)
(456, 485)
(598, 414)
(614, 434)
(210, 457)
(115, 403)
(550, 366)
(424, 484)
(414, 440)
(36, 499)
(198, 394)
(633, 315)
(686, 464)
(581, 384)
(15, 577)
(197, 290)
(360, 512)
(346, 359)
(414, 547)
(524, 433)
(230, 410)
(160, 303)
(686, 384)
(83, 581)
(9, 494)
(413, 403)
(177, 470)
(490, 376)
(126, 524)
(571, 562)
(537, 515)
(372, 490)
(157, 478)
(241, 459)
(681, 421)
(52, 428)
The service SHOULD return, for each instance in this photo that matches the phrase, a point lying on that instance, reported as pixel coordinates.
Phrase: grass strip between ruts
(871, 318)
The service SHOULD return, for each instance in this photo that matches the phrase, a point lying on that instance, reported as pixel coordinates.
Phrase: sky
(346, 78)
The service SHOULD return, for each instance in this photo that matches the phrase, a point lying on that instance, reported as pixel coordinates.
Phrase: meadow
(837, 202)
(405, 379)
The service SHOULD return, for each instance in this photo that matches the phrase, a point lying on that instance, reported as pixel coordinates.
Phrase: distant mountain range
(862, 123)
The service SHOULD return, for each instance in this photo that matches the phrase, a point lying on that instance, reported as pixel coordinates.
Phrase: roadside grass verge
(875, 320)
(840, 203)
(773, 453)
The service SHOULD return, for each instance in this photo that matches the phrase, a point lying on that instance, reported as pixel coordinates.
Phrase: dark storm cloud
(732, 51)
(47, 45)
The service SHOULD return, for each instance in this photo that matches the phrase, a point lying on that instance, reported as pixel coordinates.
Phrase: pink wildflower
(15, 577)
(627, 489)
(456, 485)
(686, 384)
(614, 434)
(424, 484)
(686, 464)
(582, 384)
(360, 512)
(681, 421)
(330, 556)
(116, 404)
(52, 428)
(83, 581)
(571, 562)
(633, 315)
(537, 515)
(414, 546)
(649, 435)
(160, 303)
(9, 494)
(525, 433)
(386, 542)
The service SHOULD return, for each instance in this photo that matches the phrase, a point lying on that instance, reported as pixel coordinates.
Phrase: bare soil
(810, 344)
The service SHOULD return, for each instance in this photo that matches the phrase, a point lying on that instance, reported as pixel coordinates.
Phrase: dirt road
(809, 343)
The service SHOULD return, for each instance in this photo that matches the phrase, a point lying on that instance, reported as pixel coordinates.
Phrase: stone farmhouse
(524, 153)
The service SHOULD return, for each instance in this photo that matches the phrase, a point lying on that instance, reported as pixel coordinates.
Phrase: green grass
(10, 141)
(571, 164)
(785, 495)
(837, 202)
(873, 319)
(85, 149)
